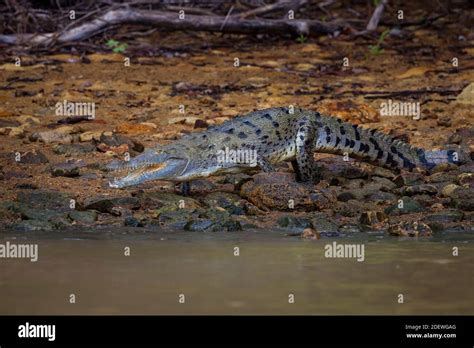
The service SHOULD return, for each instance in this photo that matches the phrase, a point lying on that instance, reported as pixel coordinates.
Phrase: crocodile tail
(371, 145)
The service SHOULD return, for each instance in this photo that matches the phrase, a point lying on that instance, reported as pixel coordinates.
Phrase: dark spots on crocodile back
(267, 116)
(242, 135)
(380, 154)
(328, 139)
(212, 146)
(258, 131)
(342, 130)
(328, 130)
(391, 160)
(352, 144)
(356, 132)
(204, 136)
(376, 144)
(347, 143)
(230, 131)
(339, 120)
(276, 124)
(364, 148)
(226, 139)
(301, 137)
(338, 140)
(264, 137)
(248, 123)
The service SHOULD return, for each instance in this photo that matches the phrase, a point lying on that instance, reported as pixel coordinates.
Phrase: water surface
(162, 265)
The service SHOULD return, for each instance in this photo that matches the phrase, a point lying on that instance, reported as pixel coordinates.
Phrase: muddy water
(162, 265)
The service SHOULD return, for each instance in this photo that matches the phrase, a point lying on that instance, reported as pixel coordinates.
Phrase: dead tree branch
(171, 21)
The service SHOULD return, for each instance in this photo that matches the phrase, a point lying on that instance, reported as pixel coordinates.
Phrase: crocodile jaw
(170, 170)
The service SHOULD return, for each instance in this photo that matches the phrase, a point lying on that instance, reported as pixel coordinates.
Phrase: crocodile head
(153, 164)
(169, 164)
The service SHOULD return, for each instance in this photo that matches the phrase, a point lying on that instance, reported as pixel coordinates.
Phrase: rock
(410, 229)
(408, 179)
(324, 226)
(310, 233)
(374, 219)
(229, 201)
(463, 198)
(200, 124)
(189, 120)
(134, 129)
(383, 183)
(59, 135)
(176, 219)
(280, 191)
(32, 225)
(442, 177)
(73, 149)
(68, 169)
(466, 179)
(444, 121)
(449, 215)
(418, 189)
(116, 140)
(29, 120)
(92, 135)
(381, 196)
(110, 205)
(444, 167)
(132, 222)
(467, 95)
(199, 225)
(237, 180)
(346, 196)
(405, 205)
(156, 200)
(448, 190)
(290, 221)
(46, 200)
(382, 172)
(86, 217)
(33, 157)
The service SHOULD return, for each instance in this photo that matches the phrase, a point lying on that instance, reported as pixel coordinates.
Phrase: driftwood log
(171, 21)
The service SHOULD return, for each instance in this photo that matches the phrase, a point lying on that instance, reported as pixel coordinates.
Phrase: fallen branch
(280, 5)
(374, 20)
(170, 20)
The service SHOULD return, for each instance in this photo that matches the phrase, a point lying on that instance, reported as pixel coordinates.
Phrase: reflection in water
(202, 267)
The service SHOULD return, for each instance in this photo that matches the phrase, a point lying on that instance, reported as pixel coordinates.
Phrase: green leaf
(112, 43)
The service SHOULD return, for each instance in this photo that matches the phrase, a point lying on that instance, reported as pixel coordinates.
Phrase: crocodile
(268, 137)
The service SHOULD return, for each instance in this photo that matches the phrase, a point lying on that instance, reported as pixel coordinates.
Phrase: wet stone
(73, 149)
(45, 199)
(116, 140)
(373, 218)
(110, 204)
(32, 225)
(86, 217)
(290, 221)
(33, 157)
(408, 179)
(325, 226)
(68, 169)
(448, 215)
(418, 189)
(132, 222)
(406, 206)
(279, 191)
(410, 229)
(463, 198)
